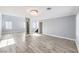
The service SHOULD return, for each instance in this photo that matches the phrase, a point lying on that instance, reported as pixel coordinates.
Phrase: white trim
(61, 37)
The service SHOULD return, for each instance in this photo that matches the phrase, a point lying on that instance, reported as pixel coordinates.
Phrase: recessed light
(34, 12)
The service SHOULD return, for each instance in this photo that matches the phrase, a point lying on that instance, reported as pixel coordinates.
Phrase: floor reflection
(36, 34)
(7, 42)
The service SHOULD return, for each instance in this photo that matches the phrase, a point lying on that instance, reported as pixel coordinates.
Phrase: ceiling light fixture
(34, 12)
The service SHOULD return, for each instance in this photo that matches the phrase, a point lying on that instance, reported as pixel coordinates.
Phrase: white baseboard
(12, 32)
(60, 37)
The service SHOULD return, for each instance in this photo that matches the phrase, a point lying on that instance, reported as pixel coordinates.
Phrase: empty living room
(39, 29)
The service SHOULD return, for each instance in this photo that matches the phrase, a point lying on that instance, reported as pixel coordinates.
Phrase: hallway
(35, 43)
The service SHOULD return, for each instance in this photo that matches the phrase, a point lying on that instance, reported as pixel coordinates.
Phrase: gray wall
(0, 24)
(63, 26)
(17, 23)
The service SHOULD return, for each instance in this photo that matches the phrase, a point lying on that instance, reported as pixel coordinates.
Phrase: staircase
(36, 30)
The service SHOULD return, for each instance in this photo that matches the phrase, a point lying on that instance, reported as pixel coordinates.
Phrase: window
(35, 24)
(8, 24)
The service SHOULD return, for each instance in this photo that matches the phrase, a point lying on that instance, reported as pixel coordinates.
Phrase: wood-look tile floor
(35, 43)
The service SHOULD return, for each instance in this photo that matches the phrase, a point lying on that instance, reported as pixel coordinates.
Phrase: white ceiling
(56, 11)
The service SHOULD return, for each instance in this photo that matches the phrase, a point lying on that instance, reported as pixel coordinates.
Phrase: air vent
(49, 8)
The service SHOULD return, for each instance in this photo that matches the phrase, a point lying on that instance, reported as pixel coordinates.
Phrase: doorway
(37, 27)
(40, 27)
(27, 26)
(33, 26)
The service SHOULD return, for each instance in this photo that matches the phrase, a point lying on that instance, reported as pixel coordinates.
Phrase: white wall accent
(0, 25)
(62, 27)
(18, 23)
(77, 31)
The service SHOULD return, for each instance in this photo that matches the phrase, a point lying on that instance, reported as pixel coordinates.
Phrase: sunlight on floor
(36, 34)
(7, 42)
(24, 37)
